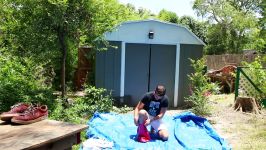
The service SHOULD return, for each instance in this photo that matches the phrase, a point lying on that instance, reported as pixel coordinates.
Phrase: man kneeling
(151, 109)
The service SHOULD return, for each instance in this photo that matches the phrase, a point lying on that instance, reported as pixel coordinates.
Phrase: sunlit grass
(244, 131)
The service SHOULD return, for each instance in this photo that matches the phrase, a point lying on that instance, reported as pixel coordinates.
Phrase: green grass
(244, 131)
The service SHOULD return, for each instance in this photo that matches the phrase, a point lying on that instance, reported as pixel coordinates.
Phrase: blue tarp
(187, 131)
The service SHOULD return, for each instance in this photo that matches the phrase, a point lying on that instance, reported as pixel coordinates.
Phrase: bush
(123, 109)
(84, 107)
(21, 81)
(95, 100)
(200, 104)
(200, 89)
(257, 74)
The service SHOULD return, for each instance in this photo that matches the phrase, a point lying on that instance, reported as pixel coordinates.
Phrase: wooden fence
(215, 62)
(84, 69)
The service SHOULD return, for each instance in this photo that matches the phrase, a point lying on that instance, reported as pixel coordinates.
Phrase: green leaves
(84, 107)
(257, 73)
(19, 82)
(234, 25)
(200, 88)
(198, 28)
(168, 16)
(42, 29)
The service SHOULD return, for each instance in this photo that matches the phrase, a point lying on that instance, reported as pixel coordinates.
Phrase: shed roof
(164, 33)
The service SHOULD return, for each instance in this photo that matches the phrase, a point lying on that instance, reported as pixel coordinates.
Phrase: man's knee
(164, 135)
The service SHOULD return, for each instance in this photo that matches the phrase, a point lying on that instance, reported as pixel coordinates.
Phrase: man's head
(159, 92)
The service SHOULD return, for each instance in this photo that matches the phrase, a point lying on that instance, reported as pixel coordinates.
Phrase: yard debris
(225, 77)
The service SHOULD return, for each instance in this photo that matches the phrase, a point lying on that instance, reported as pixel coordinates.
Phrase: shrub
(95, 100)
(84, 107)
(200, 89)
(257, 74)
(21, 81)
(199, 103)
(123, 109)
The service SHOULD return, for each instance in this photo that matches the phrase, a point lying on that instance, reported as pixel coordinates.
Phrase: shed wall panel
(136, 72)
(186, 51)
(108, 66)
(162, 69)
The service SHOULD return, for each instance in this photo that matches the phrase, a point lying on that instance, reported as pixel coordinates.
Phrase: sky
(180, 7)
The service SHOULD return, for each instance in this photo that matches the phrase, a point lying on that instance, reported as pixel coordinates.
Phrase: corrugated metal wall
(136, 72)
(163, 63)
(137, 82)
(146, 66)
(186, 51)
(108, 68)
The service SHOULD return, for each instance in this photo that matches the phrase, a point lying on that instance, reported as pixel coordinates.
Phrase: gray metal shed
(147, 53)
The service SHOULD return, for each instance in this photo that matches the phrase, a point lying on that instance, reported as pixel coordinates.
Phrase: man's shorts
(157, 124)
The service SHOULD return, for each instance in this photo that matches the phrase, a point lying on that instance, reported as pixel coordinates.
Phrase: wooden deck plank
(37, 134)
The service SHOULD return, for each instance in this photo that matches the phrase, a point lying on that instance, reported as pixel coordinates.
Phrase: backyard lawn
(244, 131)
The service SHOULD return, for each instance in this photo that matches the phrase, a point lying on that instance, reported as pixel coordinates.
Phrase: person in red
(151, 109)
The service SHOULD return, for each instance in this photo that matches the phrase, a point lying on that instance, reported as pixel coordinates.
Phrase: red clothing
(143, 134)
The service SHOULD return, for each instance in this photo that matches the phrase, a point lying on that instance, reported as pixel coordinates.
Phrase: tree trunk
(62, 42)
(247, 104)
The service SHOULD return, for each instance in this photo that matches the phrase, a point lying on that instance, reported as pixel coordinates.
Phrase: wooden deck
(46, 134)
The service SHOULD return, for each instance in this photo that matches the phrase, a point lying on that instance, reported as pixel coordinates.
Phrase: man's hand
(136, 121)
(147, 122)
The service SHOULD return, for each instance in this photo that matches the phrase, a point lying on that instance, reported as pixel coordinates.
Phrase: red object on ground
(143, 134)
(14, 111)
(31, 115)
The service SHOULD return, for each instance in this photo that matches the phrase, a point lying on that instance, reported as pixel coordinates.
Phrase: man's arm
(161, 114)
(136, 112)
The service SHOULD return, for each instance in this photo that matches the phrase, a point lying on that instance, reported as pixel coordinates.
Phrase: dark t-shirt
(153, 106)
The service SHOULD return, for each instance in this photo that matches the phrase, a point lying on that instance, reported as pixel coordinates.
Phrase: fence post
(237, 81)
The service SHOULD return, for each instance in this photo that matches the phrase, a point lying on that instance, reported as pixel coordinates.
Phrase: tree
(140, 13)
(233, 22)
(144, 13)
(263, 24)
(51, 29)
(168, 16)
(247, 6)
(198, 28)
(22, 80)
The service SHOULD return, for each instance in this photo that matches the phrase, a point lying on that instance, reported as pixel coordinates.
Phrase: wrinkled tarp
(186, 131)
